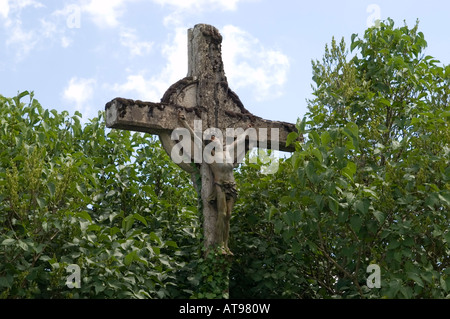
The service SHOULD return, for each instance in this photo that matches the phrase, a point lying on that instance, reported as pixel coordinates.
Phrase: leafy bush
(370, 185)
(111, 202)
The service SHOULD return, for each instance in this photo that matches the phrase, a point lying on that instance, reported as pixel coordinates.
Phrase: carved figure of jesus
(224, 195)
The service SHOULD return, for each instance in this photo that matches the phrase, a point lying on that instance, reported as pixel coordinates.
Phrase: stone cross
(203, 96)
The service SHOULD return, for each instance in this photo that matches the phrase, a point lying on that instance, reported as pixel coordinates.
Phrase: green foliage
(370, 185)
(111, 202)
(212, 275)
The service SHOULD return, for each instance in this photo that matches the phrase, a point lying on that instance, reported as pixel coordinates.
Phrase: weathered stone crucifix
(204, 97)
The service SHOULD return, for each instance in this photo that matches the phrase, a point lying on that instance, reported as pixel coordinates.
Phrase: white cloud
(200, 4)
(4, 8)
(20, 4)
(130, 40)
(11, 10)
(175, 53)
(66, 42)
(71, 13)
(139, 86)
(80, 92)
(182, 8)
(24, 40)
(9, 7)
(249, 64)
(48, 28)
(45, 31)
(104, 13)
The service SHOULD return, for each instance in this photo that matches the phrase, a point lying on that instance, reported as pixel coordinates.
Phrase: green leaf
(447, 237)
(368, 191)
(318, 154)
(171, 243)
(349, 170)
(301, 124)
(315, 137)
(445, 198)
(311, 172)
(278, 226)
(155, 237)
(272, 212)
(80, 188)
(394, 244)
(356, 223)
(292, 217)
(85, 215)
(379, 216)
(292, 136)
(147, 189)
(415, 277)
(325, 137)
(340, 152)
(99, 287)
(41, 202)
(51, 188)
(156, 250)
(8, 241)
(6, 281)
(352, 131)
(140, 218)
(127, 223)
(353, 128)
(333, 204)
(129, 258)
(94, 227)
(23, 245)
(354, 44)
(362, 205)
(385, 102)
(111, 193)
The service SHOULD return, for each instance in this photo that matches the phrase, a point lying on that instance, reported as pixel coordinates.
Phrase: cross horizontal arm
(147, 117)
(157, 118)
(239, 120)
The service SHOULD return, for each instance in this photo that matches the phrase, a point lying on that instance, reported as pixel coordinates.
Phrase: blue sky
(80, 54)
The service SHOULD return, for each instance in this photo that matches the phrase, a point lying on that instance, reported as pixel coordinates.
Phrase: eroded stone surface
(202, 95)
